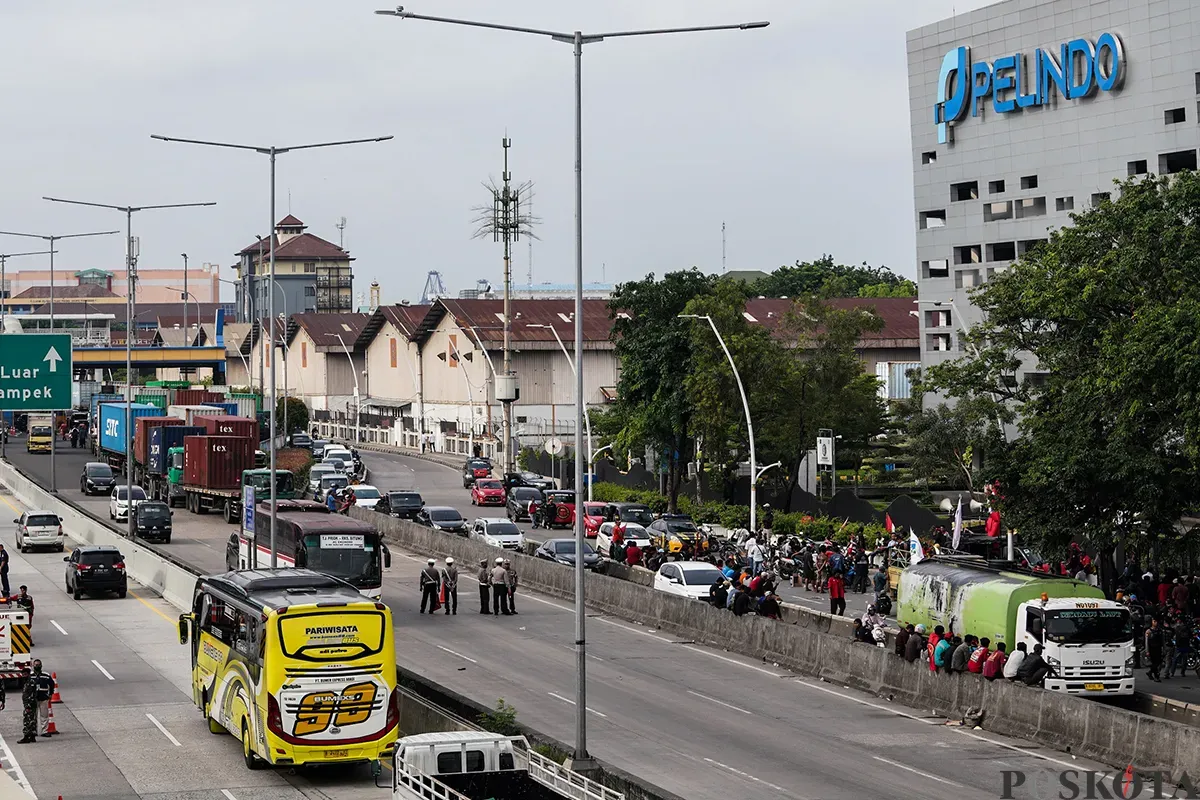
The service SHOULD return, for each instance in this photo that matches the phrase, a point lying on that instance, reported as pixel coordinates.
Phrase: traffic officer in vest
(430, 581)
(500, 589)
(450, 586)
(45, 690)
(485, 587)
(512, 586)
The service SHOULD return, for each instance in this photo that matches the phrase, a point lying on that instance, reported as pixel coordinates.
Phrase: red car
(593, 518)
(557, 510)
(488, 492)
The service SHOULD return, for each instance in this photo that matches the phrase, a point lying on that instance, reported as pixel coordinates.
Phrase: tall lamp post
(186, 294)
(353, 374)
(4, 257)
(577, 39)
(587, 418)
(52, 239)
(754, 473)
(271, 151)
(130, 307)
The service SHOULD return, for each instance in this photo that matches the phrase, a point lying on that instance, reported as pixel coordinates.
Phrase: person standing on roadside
(485, 586)
(25, 600)
(28, 708)
(512, 586)
(4, 571)
(837, 594)
(500, 589)
(45, 690)
(450, 586)
(1154, 649)
(879, 583)
(430, 582)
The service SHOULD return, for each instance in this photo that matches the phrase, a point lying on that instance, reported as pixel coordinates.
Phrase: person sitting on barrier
(902, 638)
(979, 656)
(742, 602)
(963, 647)
(1034, 669)
(1014, 661)
(915, 645)
(941, 652)
(994, 667)
(718, 593)
(769, 607)
(860, 632)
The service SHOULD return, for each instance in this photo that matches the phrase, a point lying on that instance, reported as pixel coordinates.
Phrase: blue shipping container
(162, 439)
(230, 409)
(113, 424)
(102, 398)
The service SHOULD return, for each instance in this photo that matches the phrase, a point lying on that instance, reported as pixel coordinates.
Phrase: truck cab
(1087, 642)
(41, 433)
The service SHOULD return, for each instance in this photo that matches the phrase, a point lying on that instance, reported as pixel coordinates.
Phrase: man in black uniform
(29, 708)
(430, 581)
(485, 587)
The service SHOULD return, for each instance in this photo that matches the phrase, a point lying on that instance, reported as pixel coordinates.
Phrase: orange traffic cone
(55, 698)
(51, 728)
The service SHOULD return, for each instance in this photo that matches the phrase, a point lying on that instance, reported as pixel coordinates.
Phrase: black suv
(94, 569)
(400, 504)
(96, 478)
(518, 501)
(152, 521)
(476, 468)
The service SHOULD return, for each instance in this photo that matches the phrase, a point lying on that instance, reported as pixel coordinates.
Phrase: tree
(946, 442)
(655, 349)
(825, 278)
(904, 288)
(297, 416)
(1109, 418)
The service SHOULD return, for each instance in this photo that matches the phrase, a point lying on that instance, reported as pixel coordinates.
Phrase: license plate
(337, 753)
(1094, 687)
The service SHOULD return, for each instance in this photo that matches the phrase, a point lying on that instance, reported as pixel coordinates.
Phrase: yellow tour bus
(297, 664)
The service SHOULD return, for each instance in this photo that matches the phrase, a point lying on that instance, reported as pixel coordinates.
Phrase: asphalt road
(698, 722)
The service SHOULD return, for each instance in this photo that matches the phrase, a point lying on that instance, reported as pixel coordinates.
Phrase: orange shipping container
(141, 433)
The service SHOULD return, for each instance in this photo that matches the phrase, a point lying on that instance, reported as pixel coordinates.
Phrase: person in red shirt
(994, 667)
(837, 595)
(1164, 592)
(931, 645)
(978, 656)
(633, 554)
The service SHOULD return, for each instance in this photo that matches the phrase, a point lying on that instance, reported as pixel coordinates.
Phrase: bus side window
(1033, 623)
(243, 634)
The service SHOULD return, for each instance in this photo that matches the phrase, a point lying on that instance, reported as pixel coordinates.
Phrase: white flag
(916, 554)
(957, 524)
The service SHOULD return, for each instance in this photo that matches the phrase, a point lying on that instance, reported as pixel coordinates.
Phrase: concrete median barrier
(818, 644)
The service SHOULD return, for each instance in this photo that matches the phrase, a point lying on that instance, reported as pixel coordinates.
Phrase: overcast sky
(796, 136)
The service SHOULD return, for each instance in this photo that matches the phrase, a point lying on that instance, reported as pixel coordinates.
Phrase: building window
(1065, 203)
(392, 348)
(1037, 378)
(310, 266)
(930, 156)
(1028, 245)
(993, 212)
(1099, 197)
(939, 268)
(310, 291)
(964, 191)
(1173, 116)
(1031, 207)
(1169, 163)
(1002, 251)
(968, 254)
(303, 355)
(996, 187)
(933, 219)
(937, 342)
(966, 278)
(1029, 182)
(452, 351)
(1136, 168)
(937, 319)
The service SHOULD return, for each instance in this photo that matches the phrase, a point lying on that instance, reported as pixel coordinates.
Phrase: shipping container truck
(156, 470)
(113, 425)
(141, 435)
(213, 469)
(190, 413)
(1087, 640)
(41, 433)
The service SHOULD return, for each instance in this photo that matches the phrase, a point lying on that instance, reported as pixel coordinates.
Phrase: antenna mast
(341, 226)
(722, 247)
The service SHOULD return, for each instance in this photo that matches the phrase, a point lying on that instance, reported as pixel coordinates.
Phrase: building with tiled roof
(313, 275)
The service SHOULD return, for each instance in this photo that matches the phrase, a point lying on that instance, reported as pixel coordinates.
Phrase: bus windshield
(1088, 625)
(353, 557)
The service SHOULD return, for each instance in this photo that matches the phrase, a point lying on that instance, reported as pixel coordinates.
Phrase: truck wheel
(229, 517)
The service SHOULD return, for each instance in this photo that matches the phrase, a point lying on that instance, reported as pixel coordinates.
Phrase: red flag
(887, 523)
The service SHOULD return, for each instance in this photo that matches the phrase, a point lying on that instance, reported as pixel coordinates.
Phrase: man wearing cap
(500, 589)
(512, 586)
(485, 587)
(430, 581)
(450, 586)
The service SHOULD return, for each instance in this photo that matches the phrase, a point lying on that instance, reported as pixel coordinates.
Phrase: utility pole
(505, 221)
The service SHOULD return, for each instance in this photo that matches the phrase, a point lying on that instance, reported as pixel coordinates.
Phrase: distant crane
(434, 288)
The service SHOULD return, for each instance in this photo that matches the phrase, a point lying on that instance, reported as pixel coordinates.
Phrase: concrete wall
(818, 644)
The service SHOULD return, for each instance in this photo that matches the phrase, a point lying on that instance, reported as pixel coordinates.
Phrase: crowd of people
(1163, 608)
(498, 583)
(947, 653)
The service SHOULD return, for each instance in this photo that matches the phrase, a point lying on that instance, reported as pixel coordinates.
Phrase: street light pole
(185, 294)
(283, 347)
(587, 417)
(271, 152)
(52, 239)
(353, 374)
(130, 327)
(754, 474)
(578, 39)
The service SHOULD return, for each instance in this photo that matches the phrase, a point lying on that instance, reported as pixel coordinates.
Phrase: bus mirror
(184, 620)
(387, 556)
(301, 558)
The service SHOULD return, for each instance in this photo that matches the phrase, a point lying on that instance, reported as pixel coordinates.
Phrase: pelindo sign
(1079, 69)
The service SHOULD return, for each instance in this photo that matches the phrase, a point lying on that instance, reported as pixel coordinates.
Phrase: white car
(498, 532)
(633, 533)
(39, 528)
(366, 496)
(315, 474)
(118, 502)
(687, 578)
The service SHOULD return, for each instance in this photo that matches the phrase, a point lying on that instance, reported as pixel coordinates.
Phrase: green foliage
(1109, 311)
(824, 278)
(944, 441)
(502, 720)
(555, 754)
(525, 458)
(297, 416)
(206, 381)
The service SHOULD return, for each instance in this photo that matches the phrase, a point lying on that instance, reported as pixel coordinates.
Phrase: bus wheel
(251, 760)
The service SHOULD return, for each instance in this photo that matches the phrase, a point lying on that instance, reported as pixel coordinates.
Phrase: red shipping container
(141, 434)
(192, 397)
(217, 462)
(226, 425)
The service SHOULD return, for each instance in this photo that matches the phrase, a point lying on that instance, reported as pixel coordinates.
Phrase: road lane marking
(102, 669)
(54, 622)
(718, 702)
(557, 696)
(747, 775)
(10, 505)
(922, 773)
(166, 732)
(15, 769)
(228, 794)
(460, 655)
(144, 602)
(571, 647)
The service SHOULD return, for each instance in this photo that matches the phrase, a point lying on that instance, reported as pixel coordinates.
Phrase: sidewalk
(449, 460)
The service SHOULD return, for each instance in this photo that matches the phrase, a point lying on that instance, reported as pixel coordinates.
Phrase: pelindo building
(1027, 110)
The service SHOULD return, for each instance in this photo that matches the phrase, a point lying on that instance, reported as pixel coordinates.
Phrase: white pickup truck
(477, 765)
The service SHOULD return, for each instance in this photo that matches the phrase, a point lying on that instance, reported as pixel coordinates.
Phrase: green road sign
(35, 371)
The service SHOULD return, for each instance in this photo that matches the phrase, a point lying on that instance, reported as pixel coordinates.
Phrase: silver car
(39, 529)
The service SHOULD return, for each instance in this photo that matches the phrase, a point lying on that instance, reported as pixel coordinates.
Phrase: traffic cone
(51, 728)
(55, 698)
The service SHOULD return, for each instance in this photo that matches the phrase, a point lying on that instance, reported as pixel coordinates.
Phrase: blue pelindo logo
(1078, 70)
